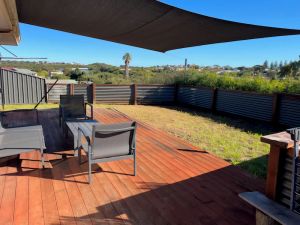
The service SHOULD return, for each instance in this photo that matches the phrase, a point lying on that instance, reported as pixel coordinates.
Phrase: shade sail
(147, 24)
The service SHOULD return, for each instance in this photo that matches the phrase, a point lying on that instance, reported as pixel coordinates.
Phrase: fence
(19, 88)
(282, 109)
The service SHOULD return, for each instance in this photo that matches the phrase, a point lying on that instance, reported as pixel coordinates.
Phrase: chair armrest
(83, 131)
(92, 109)
(112, 131)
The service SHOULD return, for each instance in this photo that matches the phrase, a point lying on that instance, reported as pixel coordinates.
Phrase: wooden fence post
(214, 99)
(134, 94)
(71, 89)
(275, 108)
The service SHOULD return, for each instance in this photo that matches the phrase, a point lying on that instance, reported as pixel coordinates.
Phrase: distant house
(81, 69)
(55, 73)
(52, 81)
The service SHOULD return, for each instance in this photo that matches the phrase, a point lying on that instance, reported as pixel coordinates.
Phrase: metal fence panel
(251, 105)
(82, 90)
(194, 96)
(285, 177)
(113, 94)
(289, 111)
(18, 88)
(155, 94)
(56, 91)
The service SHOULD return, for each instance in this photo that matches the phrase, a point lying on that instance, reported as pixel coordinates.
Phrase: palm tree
(127, 58)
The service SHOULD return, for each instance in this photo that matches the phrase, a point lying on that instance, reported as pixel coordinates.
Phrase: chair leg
(90, 164)
(134, 165)
(43, 160)
(90, 172)
(79, 155)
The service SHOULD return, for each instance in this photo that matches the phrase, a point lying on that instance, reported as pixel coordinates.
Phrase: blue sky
(63, 47)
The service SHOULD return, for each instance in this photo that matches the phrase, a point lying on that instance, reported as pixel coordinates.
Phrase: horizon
(68, 48)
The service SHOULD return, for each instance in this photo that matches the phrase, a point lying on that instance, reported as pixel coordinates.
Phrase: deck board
(176, 183)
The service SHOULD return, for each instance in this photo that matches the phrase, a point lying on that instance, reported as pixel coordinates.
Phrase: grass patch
(235, 140)
(30, 106)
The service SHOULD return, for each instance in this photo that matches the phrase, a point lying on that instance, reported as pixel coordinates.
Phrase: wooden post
(71, 88)
(214, 99)
(280, 144)
(275, 108)
(273, 169)
(262, 219)
(134, 94)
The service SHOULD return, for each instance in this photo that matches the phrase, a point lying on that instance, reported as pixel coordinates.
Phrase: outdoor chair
(73, 107)
(16, 140)
(108, 143)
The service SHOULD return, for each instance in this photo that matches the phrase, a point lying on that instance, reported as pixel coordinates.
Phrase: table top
(85, 124)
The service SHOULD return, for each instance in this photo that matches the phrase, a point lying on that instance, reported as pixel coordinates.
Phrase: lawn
(233, 139)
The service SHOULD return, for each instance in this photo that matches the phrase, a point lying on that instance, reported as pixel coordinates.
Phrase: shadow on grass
(244, 124)
(256, 166)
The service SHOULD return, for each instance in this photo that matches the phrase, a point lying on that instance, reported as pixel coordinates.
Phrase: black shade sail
(147, 24)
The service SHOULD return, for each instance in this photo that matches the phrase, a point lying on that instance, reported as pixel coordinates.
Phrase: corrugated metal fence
(155, 94)
(251, 105)
(279, 109)
(19, 88)
(276, 108)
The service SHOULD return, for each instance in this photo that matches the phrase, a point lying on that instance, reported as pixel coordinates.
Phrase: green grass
(30, 106)
(235, 140)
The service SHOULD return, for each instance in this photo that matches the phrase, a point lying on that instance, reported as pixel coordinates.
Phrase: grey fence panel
(82, 90)
(194, 96)
(56, 91)
(255, 106)
(18, 88)
(112, 94)
(289, 110)
(285, 175)
(155, 94)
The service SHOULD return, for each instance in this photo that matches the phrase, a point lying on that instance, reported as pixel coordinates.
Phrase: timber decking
(176, 183)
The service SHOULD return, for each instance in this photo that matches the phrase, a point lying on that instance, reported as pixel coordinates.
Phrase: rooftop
(176, 183)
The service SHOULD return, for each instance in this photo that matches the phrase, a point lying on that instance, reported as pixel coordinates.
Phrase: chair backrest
(19, 118)
(72, 105)
(113, 139)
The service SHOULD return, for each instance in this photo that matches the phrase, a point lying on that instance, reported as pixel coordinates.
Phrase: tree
(76, 74)
(43, 73)
(266, 64)
(127, 58)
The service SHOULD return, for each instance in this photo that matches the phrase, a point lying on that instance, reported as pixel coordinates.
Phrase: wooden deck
(176, 183)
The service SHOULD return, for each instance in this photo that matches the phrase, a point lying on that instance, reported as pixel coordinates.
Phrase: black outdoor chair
(16, 140)
(73, 107)
(108, 143)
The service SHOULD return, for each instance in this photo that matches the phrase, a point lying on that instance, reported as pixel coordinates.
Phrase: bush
(245, 83)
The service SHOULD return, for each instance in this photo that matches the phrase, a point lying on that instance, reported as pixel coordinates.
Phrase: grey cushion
(16, 142)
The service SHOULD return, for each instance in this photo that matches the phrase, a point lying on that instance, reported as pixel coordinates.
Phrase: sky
(64, 47)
